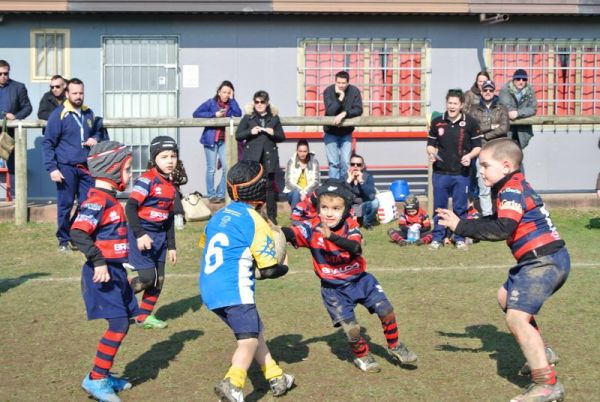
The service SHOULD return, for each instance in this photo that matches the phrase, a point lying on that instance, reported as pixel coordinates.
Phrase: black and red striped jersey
(103, 219)
(421, 217)
(334, 265)
(155, 196)
(516, 200)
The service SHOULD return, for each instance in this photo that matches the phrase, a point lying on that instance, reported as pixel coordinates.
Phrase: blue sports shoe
(119, 384)
(100, 389)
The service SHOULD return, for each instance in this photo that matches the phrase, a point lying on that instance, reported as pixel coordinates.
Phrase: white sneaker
(435, 245)
(228, 392)
(367, 363)
(281, 385)
(461, 245)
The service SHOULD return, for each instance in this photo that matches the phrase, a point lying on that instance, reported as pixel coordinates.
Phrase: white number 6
(214, 253)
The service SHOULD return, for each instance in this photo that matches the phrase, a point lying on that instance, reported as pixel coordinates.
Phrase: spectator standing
(53, 98)
(223, 104)
(261, 130)
(302, 174)
(493, 123)
(454, 140)
(519, 98)
(14, 105)
(342, 100)
(363, 187)
(65, 147)
(473, 95)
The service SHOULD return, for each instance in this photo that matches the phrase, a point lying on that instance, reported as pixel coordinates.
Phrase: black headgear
(411, 202)
(106, 161)
(337, 188)
(162, 143)
(246, 182)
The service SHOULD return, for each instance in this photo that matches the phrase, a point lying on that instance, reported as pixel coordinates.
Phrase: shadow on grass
(292, 349)
(501, 346)
(179, 308)
(147, 366)
(594, 224)
(9, 283)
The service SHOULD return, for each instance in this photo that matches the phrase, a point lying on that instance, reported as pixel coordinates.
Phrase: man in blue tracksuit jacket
(68, 139)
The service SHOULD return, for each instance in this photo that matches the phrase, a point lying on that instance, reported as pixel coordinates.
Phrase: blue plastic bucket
(400, 190)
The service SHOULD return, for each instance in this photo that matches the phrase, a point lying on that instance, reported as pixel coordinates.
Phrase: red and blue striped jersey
(420, 217)
(516, 200)
(334, 265)
(155, 195)
(103, 219)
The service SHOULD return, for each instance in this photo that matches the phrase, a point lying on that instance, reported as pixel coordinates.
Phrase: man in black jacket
(14, 105)
(342, 100)
(53, 98)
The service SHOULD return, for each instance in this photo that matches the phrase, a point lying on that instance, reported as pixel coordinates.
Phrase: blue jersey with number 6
(234, 238)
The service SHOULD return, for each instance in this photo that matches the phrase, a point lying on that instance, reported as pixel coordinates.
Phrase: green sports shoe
(151, 322)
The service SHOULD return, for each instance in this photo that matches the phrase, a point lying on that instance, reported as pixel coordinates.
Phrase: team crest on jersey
(512, 205)
(441, 131)
(462, 124)
(89, 123)
(158, 190)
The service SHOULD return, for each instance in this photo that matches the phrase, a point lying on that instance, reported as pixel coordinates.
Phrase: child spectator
(543, 262)
(413, 216)
(151, 228)
(100, 233)
(237, 240)
(334, 240)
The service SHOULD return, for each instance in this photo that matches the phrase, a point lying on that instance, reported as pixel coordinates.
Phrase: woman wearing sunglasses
(519, 98)
(261, 130)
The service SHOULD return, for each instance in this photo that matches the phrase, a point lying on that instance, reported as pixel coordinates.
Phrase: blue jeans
(369, 212)
(485, 193)
(338, 149)
(211, 154)
(445, 186)
(293, 198)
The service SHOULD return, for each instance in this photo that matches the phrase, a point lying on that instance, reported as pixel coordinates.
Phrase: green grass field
(445, 303)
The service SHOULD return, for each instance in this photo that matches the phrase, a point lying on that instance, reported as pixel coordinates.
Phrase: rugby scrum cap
(246, 182)
(337, 188)
(162, 143)
(106, 161)
(411, 202)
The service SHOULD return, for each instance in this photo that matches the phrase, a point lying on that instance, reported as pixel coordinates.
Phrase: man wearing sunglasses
(53, 98)
(363, 186)
(14, 105)
(493, 123)
(519, 98)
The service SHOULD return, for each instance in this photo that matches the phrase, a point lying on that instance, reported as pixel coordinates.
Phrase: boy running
(100, 233)
(334, 240)
(543, 262)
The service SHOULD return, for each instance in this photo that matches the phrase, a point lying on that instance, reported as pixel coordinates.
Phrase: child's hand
(144, 243)
(324, 229)
(447, 218)
(173, 256)
(101, 274)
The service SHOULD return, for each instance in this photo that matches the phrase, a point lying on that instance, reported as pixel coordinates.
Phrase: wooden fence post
(231, 154)
(20, 175)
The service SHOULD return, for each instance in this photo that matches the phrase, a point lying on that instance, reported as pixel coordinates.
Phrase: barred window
(564, 73)
(389, 73)
(49, 53)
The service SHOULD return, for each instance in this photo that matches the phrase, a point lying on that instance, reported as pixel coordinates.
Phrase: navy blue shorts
(147, 259)
(243, 319)
(112, 299)
(531, 282)
(366, 290)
